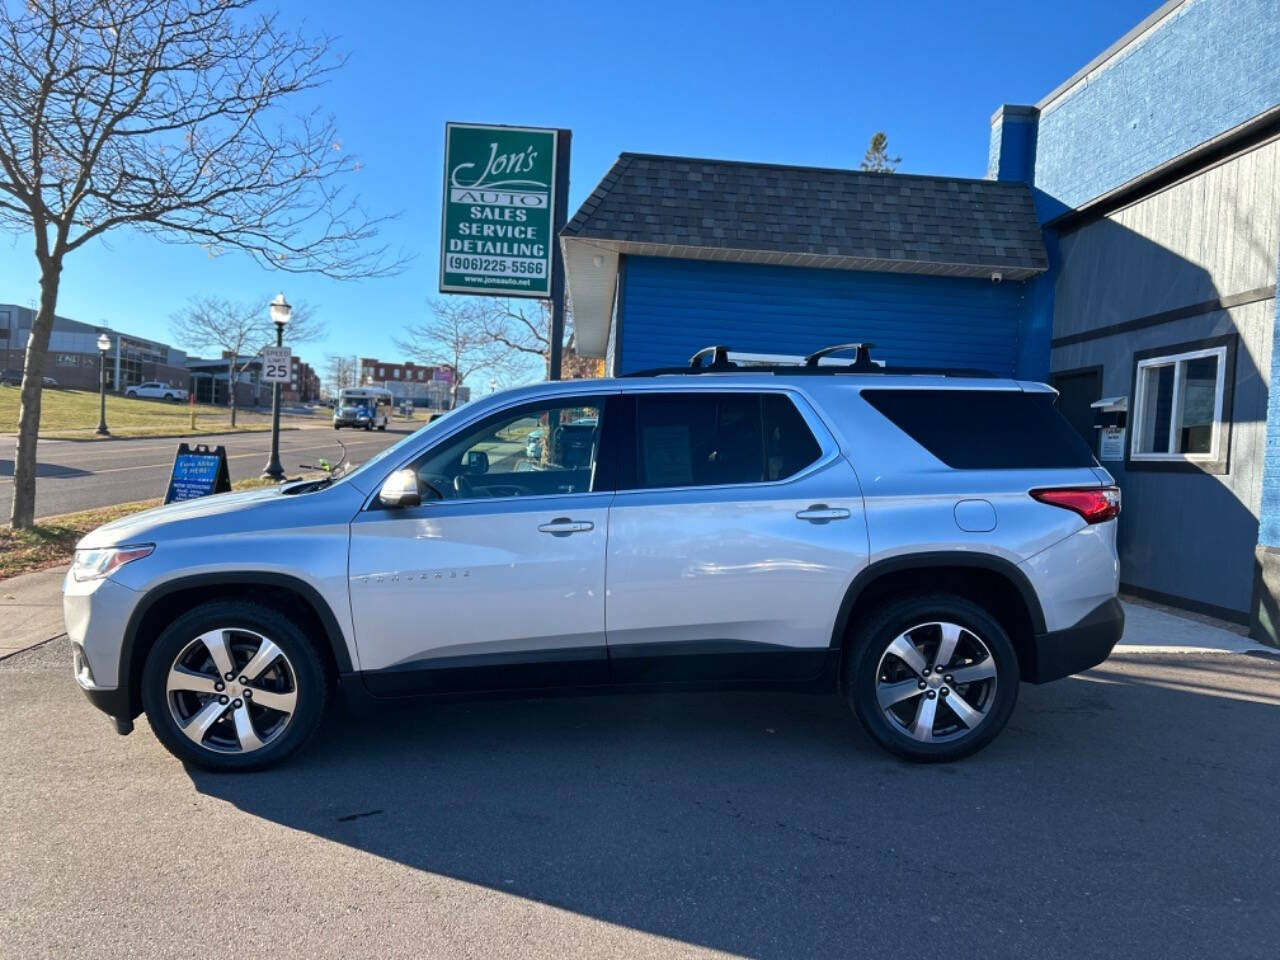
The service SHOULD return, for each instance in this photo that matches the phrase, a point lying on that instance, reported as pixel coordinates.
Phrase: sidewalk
(30, 610)
(1150, 628)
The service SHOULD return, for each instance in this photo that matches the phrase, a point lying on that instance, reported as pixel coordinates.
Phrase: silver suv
(915, 542)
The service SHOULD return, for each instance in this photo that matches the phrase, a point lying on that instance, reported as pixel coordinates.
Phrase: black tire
(131, 394)
(311, 683)
(170, 397)
(869, 645)
(336, 427)
(382, 426)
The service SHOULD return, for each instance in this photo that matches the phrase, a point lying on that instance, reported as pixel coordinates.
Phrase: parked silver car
(918, 543)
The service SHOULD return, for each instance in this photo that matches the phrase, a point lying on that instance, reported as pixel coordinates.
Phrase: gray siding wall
(1211, 237)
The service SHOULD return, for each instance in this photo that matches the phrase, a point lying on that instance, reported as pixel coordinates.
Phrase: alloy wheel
(936, 682)
(231, 690)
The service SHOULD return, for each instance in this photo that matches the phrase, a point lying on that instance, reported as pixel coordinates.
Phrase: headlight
(96, 564)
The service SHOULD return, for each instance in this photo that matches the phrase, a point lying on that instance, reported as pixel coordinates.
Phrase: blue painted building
(1125, 246)
(670, 254)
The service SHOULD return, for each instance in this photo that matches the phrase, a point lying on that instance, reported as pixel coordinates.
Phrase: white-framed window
(1178, 406)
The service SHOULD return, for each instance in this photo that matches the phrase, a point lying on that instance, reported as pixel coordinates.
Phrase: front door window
(537, 450)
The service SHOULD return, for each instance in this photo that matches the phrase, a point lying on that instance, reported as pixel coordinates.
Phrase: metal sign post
(276, 363)
(563, 141)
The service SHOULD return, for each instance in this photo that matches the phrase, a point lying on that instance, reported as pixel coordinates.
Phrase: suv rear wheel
(233, 686)
(932, 678)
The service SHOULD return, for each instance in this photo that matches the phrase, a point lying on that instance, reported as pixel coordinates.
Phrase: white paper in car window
(668, 458)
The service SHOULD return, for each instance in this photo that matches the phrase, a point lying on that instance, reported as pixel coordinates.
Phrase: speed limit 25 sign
(275, 364)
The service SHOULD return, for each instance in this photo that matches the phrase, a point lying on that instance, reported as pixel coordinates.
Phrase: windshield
(392, 452)
(361, 399)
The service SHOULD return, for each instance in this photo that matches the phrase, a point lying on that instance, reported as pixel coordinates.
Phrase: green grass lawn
(71, 414)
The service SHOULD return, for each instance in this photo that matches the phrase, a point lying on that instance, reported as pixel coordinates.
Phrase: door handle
(821, 513)
(563, 526)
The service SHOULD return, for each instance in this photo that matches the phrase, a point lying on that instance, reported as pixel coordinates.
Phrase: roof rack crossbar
(719, 358)
(861, 357)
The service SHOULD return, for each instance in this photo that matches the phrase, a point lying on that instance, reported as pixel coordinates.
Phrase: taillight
(1094, 504)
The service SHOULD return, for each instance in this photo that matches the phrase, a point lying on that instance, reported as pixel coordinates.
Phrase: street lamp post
(104, 344)
(280, 311)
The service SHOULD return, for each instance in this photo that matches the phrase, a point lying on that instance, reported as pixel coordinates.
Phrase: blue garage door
(672, 308)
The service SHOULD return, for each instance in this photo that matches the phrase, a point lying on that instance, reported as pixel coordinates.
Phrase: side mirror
(400, 490)
(477, 462)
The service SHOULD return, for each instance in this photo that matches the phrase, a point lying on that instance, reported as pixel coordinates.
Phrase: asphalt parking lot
(1128, 813)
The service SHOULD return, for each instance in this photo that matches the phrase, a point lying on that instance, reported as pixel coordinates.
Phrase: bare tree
(524, 327)
(238, 331)
(340, 372)
(455, 336)
(166, 116)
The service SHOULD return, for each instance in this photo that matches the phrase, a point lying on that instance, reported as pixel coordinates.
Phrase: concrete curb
(6, 654)
(164, 436)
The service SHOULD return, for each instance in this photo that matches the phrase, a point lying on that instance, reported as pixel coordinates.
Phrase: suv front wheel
(231, 685)
(932, 678)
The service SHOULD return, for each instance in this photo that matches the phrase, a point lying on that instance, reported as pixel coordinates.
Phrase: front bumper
(1060, 653)
(115, 704)
(96, 613)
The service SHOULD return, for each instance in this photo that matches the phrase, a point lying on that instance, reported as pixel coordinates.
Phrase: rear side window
(789, 443)
(705, 439)
(985, 429)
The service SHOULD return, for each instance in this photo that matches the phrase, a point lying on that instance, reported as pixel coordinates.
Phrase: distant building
(73, 356)
(209, 378)
(425, 385)
(304, 384)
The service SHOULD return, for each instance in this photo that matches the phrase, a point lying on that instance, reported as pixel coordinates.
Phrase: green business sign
(497, 234)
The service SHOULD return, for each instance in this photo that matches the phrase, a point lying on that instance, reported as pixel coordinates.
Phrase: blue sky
(804, 83)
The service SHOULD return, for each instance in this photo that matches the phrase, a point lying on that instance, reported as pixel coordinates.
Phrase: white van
(365, 407)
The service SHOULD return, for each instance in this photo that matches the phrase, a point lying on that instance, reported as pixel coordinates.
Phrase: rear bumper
(1060, 653)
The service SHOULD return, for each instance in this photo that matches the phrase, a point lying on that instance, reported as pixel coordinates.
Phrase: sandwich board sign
(198, 472)
(497, 233)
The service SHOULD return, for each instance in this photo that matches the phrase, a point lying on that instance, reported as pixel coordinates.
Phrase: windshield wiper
(334, 472)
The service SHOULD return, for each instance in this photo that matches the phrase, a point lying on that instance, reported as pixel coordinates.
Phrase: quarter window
(1178, 407)
(706, 439)
(984, 429)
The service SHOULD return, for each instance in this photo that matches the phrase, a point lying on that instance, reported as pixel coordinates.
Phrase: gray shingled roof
(716, 209)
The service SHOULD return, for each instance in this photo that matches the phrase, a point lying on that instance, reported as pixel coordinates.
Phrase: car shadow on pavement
(769, 826)
(45, 470)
